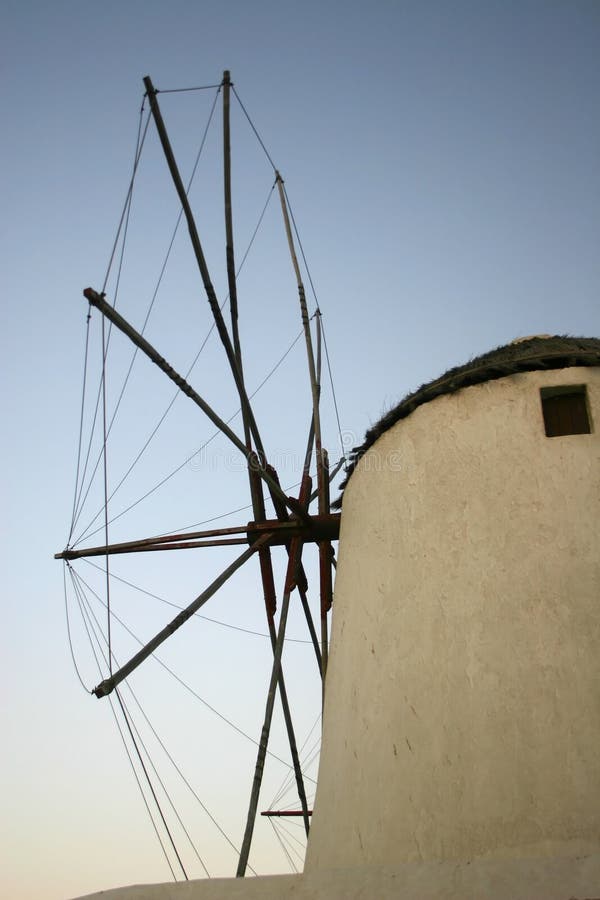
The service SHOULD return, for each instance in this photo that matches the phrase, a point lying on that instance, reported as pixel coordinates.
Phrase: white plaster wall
(462, 712)
(522, 879)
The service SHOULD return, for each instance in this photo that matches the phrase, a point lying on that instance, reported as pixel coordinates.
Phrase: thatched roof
(524, 355)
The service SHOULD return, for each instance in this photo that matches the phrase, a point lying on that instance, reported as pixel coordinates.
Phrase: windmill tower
(462, 715)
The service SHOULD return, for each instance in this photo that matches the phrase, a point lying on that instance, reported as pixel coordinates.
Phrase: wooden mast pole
(293, 562)
(321, 474)
(258, 505)
(199, 253)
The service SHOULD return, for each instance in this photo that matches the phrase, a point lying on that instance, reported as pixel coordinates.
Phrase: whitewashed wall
(463, 694)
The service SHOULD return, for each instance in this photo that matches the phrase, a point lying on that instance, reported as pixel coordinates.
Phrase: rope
(80, 441)
(81, 608)
(154, 769)
(124, 216)
(202, 87)
(86, 533)
(186, 782)
(253, 127)
(76, 667)
(105, 479)
(138, 153)
(149, 311)
(152, 791)
(283, 847)
(197, 614)
(181, 681)
(288, 781)
(126, 717)
(162, 745)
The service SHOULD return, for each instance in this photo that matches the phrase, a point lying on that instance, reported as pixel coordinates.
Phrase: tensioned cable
(105, 341)
(222, 515)
(286, 839)
(292, 837)
(88, 534)
(186, 782)
(146, 773)
(267, 154)
(283, 847)
(173, 763)
(204, 342)
(80, 441)
(131, 724)
(149, 811)
(128, 723)
(76, 667)
(139, 742)
(290, 487)
(198, 615)
(124, 217)
(253, 127)
(287, 781)
(177, 393)
(153, 299)
(289, 839)
(202, 87)
(180, 680)
(139, 147)
(105, 480)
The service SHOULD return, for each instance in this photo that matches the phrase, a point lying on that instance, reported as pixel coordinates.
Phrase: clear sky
(443, 164)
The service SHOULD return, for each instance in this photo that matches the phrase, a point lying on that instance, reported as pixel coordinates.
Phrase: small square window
(565, 410)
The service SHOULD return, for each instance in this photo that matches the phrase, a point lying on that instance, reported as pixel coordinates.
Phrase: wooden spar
(311, 627)
(295, 552)
(304, 315)
(294, 556)
(311, 431)
(258, 505)
(287, 715)
(109, 684)
(230, 258)
(293, 563)
(115, 550)
(199, 253)
(325, 574)
(322, 492)
(315, 432)
(136, 338)
(159, 539)
(282, 533)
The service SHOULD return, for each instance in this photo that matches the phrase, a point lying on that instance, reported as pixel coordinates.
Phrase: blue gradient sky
(443, 164)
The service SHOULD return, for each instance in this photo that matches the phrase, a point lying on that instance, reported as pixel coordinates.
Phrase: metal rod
(264, 739)
(109, 684)
(123, 325)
